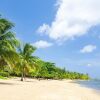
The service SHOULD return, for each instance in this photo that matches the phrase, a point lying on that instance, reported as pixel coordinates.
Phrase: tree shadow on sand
(6, 83)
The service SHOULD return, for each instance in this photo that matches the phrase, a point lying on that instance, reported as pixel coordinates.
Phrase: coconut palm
(8, 43)
(27, 60)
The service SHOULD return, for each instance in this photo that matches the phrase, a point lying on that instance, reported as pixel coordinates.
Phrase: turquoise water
(93, 84)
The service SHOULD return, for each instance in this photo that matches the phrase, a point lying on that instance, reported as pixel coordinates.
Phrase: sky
(66, 32)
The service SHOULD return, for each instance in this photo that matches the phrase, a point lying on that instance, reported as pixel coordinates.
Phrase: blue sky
(65, 31)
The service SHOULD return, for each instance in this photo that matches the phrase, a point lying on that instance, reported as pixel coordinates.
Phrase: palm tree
(8, 43)
(26, 59)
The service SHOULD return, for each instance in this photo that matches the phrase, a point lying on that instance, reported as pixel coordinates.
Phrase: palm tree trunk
(22, 76)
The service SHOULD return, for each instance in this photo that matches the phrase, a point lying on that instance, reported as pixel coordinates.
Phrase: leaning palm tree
(26, 59)
(8, 43)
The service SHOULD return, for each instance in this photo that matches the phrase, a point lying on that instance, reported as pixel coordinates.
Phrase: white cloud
(44, 28)
(88, 49)
(73, 19)
(42, 44)
(89, 65)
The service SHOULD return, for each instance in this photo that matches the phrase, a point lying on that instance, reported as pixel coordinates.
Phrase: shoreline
(14, 89)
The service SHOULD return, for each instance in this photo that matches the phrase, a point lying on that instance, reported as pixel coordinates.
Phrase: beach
(32, 89)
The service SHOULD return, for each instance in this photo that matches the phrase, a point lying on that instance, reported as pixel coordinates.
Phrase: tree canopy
(18, 60)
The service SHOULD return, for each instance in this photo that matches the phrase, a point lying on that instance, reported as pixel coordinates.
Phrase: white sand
(14, 89)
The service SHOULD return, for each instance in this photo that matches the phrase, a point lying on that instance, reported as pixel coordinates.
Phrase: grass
(1, 77)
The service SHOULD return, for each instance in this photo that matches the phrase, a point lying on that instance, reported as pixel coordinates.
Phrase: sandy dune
(32, 89)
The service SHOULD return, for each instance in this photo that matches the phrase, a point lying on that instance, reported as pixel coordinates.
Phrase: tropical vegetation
(18, 60)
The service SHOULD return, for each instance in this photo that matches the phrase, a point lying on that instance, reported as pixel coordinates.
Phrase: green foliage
(18, 60)
(4, 74)
(26, 59)
(1, 77)
(8, 43)
(48, 70)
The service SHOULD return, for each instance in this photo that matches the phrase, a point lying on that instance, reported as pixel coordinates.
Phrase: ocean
(93, 84)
